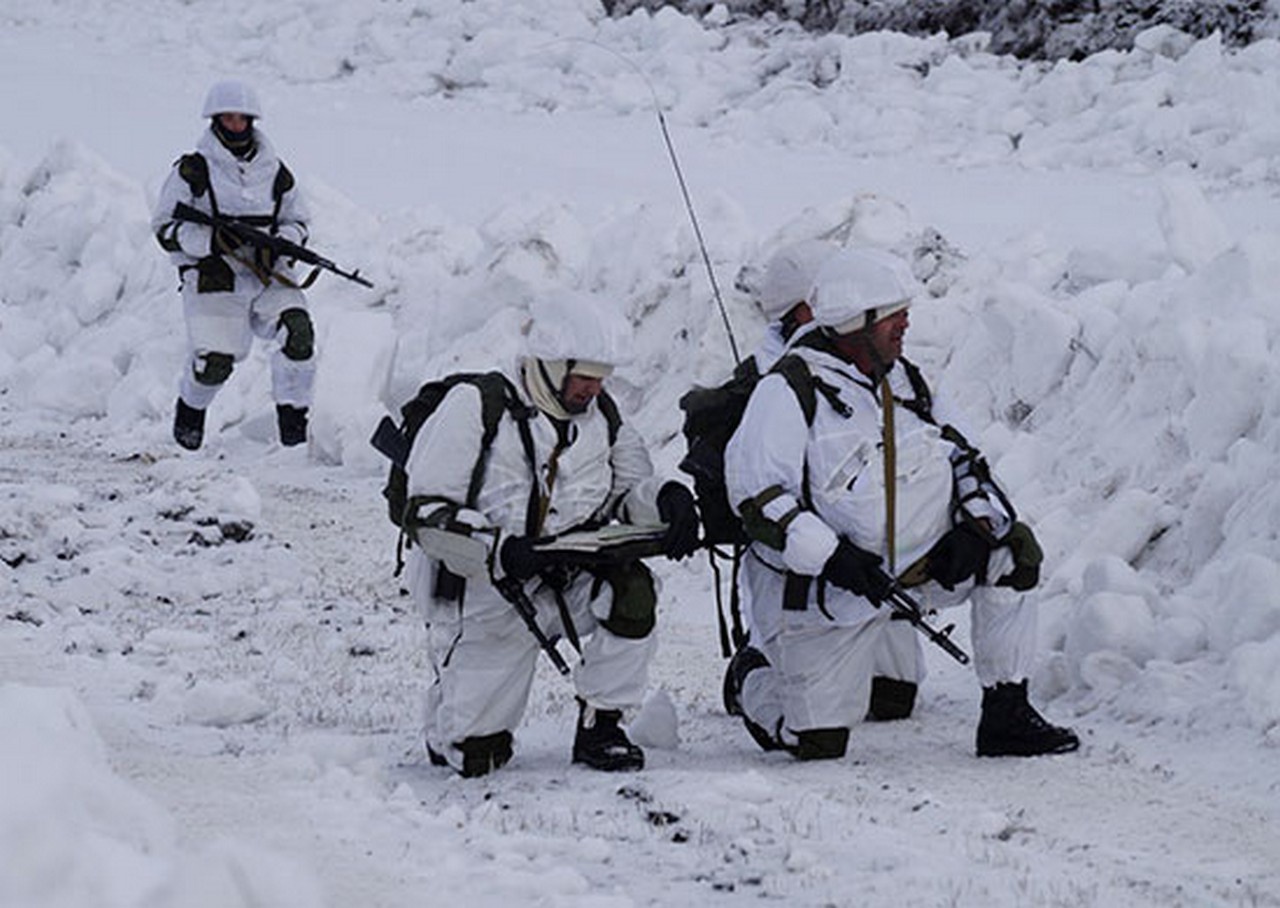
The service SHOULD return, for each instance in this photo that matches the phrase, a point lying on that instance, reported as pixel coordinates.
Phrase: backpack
(396, 441)
(711, 416)
(497, 396)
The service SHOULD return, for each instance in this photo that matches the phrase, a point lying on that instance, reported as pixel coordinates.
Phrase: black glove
(960, 554)
(859, 572)
(519, 560)
(1027, 556)
(676, 508)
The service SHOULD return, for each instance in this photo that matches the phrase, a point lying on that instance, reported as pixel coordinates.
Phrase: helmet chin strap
(862, 353)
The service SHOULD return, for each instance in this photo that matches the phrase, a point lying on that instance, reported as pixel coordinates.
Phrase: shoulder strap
(283, 183)
(922, 405)
(497, 397)
(795, 370)
(609, 408)
(195, 170)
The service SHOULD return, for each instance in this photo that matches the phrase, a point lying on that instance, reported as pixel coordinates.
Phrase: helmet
(789, 275)
(857, 287)
(581, 328)
(231, 96)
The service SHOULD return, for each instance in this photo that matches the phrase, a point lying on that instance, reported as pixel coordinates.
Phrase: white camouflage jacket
(240, 188)
(843, 455)
(590, 480)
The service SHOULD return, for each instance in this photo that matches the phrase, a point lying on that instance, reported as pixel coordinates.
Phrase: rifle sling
(888, 435)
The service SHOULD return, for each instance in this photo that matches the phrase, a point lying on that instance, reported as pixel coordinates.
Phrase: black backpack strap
(609, 408)
(284, 182)
(922, 405)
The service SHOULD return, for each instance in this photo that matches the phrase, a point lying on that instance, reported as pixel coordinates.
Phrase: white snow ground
(209, 679)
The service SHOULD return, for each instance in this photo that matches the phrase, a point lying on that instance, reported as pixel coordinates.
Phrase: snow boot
(293, 424)
(821, 744)
(601, 744)
(891, 699)
(1011, 727)
(481, 754)
(188, 426)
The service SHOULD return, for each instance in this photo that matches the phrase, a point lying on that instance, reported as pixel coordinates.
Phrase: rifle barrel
(909, 608)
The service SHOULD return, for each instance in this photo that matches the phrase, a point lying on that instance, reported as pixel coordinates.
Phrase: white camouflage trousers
(820, 673)
(228, 322)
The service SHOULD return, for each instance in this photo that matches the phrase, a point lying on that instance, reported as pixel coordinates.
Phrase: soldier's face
(579, 391)
(887, 335)
(234, 122)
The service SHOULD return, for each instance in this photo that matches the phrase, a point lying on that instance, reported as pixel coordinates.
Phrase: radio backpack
(711, 416)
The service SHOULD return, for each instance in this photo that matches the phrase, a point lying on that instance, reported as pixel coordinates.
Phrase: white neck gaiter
(539, 376)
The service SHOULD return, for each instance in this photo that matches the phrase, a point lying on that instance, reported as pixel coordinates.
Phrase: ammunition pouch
(634, 610)
(214, 275)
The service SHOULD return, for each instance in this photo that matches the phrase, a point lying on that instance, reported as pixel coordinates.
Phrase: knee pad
(635, 601)
(213, 368)
(821, 744)
(300, 334)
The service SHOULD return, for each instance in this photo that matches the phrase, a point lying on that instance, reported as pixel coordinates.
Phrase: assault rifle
(909, 609)
(260, 239)
(513, 591)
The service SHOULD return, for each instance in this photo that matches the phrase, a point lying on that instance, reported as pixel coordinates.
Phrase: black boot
(891, 699)
(601, 744)
(293, 424)
(1011, 727)
(821, 744)
(188, 426)
(482, 754)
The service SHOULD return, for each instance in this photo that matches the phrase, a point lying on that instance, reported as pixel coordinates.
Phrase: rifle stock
(260, 239)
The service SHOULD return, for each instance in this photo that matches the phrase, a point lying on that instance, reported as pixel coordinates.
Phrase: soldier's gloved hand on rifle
(677, 510)
(960, 554)
(859, 572)
(519, 559)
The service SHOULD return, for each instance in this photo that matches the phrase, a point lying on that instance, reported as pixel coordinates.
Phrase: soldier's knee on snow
(821, 744)
(213, 368)
(300, 334)
(635, 601)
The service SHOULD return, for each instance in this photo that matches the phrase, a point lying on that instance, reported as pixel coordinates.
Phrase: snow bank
(1122, 391)
(75, 833)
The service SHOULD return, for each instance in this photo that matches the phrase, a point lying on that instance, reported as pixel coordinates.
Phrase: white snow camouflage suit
(482, 655)
(225, 321)
(823, 655)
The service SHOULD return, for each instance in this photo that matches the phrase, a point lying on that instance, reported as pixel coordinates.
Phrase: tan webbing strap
(890, 474)
(553, 464)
